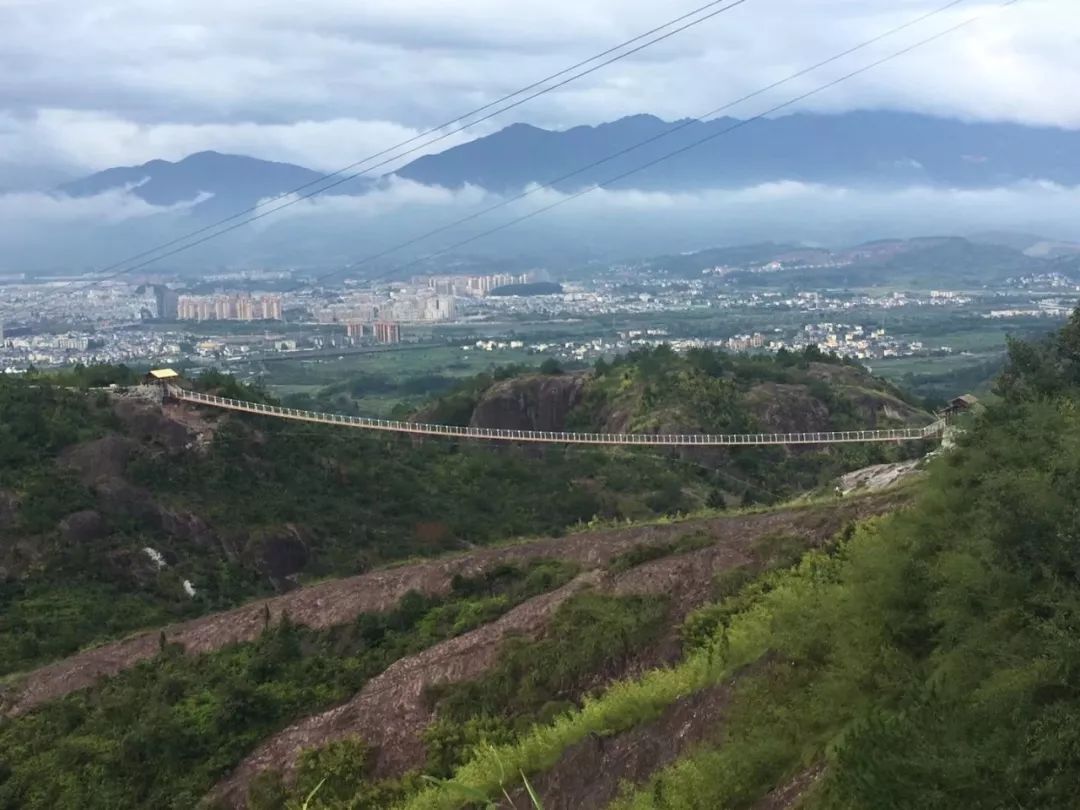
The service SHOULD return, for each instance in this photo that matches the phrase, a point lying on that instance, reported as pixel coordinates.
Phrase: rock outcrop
(82, 527)
(540, 402)
(337, 602)
(787, 409)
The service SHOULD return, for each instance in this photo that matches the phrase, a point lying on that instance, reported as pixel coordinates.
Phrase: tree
(551, 366)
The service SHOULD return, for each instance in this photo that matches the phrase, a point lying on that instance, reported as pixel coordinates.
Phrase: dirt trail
(391, 712)
(338, 602)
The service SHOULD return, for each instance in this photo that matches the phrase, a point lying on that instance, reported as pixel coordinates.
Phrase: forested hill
(911, 649)
(929, 661)
(117, 515)
(702, 391)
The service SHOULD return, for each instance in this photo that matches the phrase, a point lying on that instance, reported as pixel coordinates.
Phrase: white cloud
(328, 81)
(91, 141)
(33, 208)
(395, 195)
(328, 230)
(778, 210)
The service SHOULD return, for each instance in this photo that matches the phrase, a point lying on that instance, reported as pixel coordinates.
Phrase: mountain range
(858, 148)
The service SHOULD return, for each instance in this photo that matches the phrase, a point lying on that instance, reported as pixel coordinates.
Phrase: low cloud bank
(602, 223)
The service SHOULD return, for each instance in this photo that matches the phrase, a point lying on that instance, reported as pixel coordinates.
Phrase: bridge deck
(932, 431)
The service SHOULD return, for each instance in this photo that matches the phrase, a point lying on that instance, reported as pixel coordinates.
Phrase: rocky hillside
(658, 391)
(120, 514)
(908, 648)
(927, 662)
(117, 514)
(390, 662)
(203, 607)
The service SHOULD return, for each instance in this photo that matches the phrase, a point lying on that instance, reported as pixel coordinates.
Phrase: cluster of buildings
(18, 352)
(409, 305)
(744, 343)
(864, 343)
(474, 286)
(381, 331)
(235, 307)
(1045, 309)
(422, 306)
(380, 313)
(855, 341)
(1045, 281)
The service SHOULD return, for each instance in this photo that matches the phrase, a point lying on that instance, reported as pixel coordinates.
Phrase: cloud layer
(322, 83)
(338, 231)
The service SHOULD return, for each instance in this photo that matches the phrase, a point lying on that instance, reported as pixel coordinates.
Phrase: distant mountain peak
(867, 147)
(226, 183)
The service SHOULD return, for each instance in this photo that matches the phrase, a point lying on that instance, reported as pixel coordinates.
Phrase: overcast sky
(88, 84)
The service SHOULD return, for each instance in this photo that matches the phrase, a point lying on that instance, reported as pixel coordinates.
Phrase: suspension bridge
(932, 431)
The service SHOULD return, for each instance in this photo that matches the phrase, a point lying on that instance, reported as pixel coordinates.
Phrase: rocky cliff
(819, 397)
(534, 402)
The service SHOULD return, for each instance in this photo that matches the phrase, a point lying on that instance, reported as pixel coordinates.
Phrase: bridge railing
(561, 437)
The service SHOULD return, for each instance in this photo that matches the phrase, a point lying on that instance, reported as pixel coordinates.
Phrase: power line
(666, 133)
(653, 139)
(714, 136)
(631, 172)
(346, 174)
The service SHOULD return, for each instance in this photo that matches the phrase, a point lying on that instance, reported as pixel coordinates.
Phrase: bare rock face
(9, 509)
(530, 403)
(878, 408)
(279, 553)
(787, 409)
(878, 477)
(149, 424)
(82, 527)
(186, 526)
(118, 497)
(104, 458)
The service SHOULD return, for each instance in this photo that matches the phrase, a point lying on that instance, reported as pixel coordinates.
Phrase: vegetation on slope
(705, 391)
(116, 542)
(592, 640)
(534, 680)
(930, 661)
(163, 733)
(265, 503)
(48, 604)
(537, 680)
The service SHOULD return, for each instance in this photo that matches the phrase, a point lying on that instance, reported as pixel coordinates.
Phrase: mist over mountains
(807, 177)
(219, 184)
(858, 148)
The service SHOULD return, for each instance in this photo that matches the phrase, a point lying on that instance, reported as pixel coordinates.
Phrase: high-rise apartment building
(240, 307)
(168, 302)
(387, 332)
